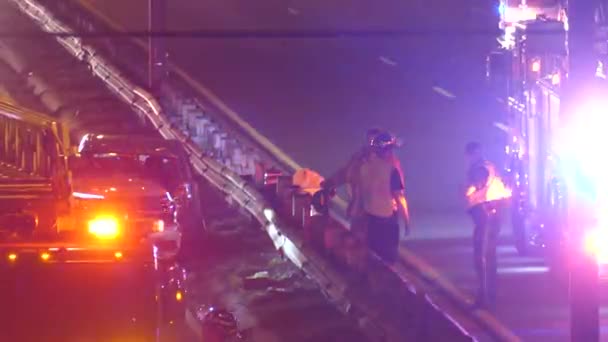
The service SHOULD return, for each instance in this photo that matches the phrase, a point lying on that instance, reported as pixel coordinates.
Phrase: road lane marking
(523, 270)
(210, 95)
(293, 11)
(444, 92)
(431, 275)
(501, 126)
(387, 61)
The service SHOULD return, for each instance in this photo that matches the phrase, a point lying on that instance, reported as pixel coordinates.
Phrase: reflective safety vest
(375, 187)
(493, 190)
(352, 171)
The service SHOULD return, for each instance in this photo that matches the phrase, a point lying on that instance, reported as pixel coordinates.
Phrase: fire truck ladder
(33, 160)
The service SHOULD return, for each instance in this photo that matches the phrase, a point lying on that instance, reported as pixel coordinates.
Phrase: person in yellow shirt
(347, 176)
(380, 194)
(347, 173)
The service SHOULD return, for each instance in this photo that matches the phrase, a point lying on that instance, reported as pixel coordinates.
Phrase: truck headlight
(104, 227)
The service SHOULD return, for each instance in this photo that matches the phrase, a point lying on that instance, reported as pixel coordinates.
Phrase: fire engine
(527, 73)
(516, 11)
(107, 208)
(148, 178)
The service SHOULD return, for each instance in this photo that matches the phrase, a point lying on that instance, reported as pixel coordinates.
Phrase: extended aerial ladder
(555, 87)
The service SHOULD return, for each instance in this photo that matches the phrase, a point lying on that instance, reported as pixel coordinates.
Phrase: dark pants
(487, 226)
(383, 236)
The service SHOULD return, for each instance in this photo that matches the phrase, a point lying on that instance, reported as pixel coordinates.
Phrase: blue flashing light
(502, 8)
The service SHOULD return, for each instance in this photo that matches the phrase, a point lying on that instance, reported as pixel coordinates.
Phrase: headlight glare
(104, 227)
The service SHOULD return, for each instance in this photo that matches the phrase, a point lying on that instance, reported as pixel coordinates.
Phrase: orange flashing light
(118, 255)
(45, 256)
(104, 228)
(12, 257)
(179, 296)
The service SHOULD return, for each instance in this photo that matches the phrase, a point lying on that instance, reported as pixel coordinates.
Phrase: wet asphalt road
(77, 303)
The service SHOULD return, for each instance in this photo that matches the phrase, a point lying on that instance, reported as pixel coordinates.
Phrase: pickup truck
(97, 264)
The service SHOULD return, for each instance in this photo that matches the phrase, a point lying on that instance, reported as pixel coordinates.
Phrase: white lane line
(501, 126)
(387, 61)
(523, 270)
(444, 92)
(293, 11)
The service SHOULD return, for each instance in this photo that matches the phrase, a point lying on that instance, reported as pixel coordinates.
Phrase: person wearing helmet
(346, 174)
(380, 195)
(484, 195)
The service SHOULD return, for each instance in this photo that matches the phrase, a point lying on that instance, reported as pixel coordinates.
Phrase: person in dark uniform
(485, 194)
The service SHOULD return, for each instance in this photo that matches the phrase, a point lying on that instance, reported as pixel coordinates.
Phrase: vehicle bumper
(156, 246)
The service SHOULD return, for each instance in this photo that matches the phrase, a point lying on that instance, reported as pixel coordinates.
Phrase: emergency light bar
(29, 256)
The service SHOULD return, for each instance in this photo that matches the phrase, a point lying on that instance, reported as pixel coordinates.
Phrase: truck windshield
(161, 168)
